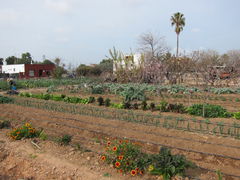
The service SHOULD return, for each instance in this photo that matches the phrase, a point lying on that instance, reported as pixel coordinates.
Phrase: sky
(82, 31)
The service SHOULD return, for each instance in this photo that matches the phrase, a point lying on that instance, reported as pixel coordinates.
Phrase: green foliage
(144, 105)
(133, 93)
(163, 106)
(64, 140)
(219, 175)
(26, 131)
(57, 97)
(107, 102)
(117, 106)
(178, 108)
(91, 99)
(98, 89)
(5, 100)
(100, 101)
(152, 106)
(127, 157)
(5, 124)
(236, 115)
(168, 165)
(58, 72)
(210, 110)
(43, 136)
(126, 105)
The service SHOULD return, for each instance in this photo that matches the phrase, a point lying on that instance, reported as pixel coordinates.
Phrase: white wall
(13, 69)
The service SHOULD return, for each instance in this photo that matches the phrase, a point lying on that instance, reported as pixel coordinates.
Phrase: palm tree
(178, 20)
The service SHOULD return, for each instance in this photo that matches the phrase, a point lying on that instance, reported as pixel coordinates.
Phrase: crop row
(170, 122)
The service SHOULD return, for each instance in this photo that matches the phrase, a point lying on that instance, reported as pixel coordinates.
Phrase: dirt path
(82, 126)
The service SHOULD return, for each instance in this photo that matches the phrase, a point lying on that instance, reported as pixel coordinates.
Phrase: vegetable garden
(194, 122)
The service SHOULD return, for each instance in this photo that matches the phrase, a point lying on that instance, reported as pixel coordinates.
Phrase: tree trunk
(177, 44)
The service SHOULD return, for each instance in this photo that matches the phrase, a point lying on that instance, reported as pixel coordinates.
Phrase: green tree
(11, 60)
(83, 70)
(1, 61)
(59, 69)
(106, 65)
(26, 58)
(178, 20)
(46, 61)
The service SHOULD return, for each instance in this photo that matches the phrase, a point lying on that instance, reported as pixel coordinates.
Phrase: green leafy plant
(26, 131)
(100, 101)
(91, 99)
(98, 89)
(125, 157)
(210, 110)
(236, 115)
(107, 102)
(152, 106)
(64, 140)
(144, 105)
(168, 165)
(5, 100)
(163, 106)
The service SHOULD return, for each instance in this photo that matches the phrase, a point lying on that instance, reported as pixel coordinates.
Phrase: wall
(37, 70)
(13, 69)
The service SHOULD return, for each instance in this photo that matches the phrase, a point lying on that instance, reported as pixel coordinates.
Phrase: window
(31, 73)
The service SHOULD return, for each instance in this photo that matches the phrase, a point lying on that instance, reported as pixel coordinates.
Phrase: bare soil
(85, 128)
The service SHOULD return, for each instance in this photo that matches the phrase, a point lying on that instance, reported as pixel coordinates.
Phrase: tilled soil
(197, 147)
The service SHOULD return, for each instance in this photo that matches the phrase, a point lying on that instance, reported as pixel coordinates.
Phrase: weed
(65, 140)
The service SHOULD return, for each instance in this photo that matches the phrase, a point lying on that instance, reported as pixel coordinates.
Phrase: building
(128, 62)
(28, 70)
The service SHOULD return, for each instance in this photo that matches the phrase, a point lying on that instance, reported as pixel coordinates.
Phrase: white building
(13, 69)
(129, 61)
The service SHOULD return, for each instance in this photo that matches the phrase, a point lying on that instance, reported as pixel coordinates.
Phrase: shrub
(211, 111)
(168, 165)
(5, 100)
(100, 101)
(152, 106)
(178, 108)
(163, 106)
(26, 131)
(91, 99)
(65, 140)
(5, 124)
(236, 115)
(144, 105)
(107, 102)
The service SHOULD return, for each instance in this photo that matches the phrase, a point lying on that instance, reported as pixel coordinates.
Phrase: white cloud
(60, 6)
(8, 15)
(195, 30)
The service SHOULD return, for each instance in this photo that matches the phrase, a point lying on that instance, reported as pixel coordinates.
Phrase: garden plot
(207, 151)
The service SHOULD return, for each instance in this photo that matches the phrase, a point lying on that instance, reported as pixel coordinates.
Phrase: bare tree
(152, 45)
